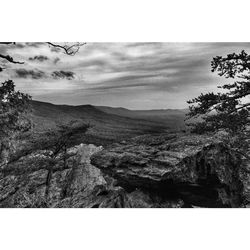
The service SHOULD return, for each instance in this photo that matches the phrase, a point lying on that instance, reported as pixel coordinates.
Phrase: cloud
(134, 75)
(69, 75)
(40, 58)
(56, 60)
(55, 49)
(35, 45)
(20, 45)
(34, 74)
(28, 44)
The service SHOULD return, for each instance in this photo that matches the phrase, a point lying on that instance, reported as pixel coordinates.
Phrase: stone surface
(164, 171)
(25, 184)
(29, 183)
(201, 170)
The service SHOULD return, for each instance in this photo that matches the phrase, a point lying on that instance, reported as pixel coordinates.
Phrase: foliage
(58, 140)
(14, 107)
(228, 110)
(53, 142)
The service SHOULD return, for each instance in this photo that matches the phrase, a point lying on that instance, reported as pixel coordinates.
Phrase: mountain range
(108, 124)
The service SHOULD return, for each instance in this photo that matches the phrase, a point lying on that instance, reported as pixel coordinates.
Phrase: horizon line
(116, 107)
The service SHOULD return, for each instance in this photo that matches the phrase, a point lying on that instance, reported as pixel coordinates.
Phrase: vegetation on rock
(228, 110)
(14, 107)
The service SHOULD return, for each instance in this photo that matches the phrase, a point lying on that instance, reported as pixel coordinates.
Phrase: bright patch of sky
(130, 75)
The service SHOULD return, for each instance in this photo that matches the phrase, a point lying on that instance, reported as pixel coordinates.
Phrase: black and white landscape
(124, 125)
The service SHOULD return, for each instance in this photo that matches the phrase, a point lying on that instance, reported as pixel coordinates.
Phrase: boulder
(151, 171)
(200, 170)
(31, 183)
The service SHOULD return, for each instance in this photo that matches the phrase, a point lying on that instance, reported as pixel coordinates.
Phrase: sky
(129, 75)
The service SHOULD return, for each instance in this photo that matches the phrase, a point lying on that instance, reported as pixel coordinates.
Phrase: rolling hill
(108, 124)
(171, 118)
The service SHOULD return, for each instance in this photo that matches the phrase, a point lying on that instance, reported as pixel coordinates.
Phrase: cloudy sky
(130, 75)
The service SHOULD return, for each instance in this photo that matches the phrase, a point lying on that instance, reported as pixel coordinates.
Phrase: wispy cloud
(133, 75)
(40, 58)
(24, 73)
(63, 75)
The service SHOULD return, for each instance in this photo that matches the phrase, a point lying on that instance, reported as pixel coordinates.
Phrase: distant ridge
(52, 113)
(172, 118)
(106, 128)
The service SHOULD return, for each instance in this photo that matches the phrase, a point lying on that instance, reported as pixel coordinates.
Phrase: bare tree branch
(69, 50)
(10, 59)
(241, 107)
(7, 43)
(7, 57)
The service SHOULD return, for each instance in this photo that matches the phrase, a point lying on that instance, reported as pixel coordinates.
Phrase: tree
(228, 110)
(14, 106)
(69, 49)
(56, 142)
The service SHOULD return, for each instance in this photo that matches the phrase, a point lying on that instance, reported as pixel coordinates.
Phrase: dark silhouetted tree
(68, 49)
(56, 142)
(228, 110)
(14, 107)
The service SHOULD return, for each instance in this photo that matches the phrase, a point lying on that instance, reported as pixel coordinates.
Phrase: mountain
(108, 124)
(171, 118)
(105, 127)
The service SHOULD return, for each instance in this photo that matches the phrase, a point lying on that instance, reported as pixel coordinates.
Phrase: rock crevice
(200, 170)
(165, 171)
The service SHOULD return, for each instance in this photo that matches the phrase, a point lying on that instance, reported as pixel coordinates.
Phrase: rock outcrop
(78, 184)
(30, 183)
(150, 171)
(198, 170)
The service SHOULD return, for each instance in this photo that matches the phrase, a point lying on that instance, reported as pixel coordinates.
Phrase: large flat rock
(166, 163)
